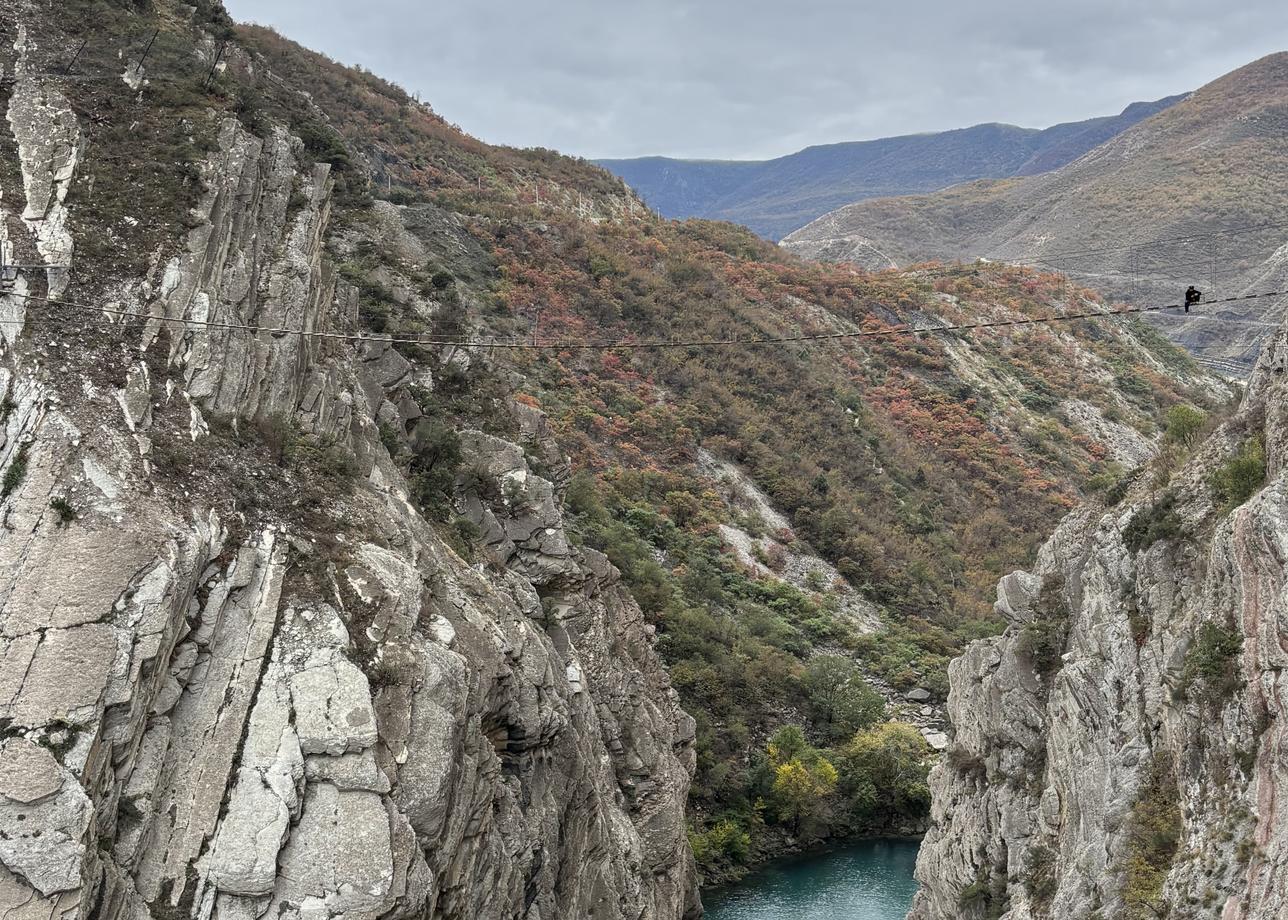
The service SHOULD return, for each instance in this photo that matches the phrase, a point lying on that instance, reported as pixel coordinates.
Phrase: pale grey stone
(340, 854)
(937, 740)
(66, 677)
(348, 771)
(44, 818)
(1068, 754)
(386, 366)
(460, 756)
(263, 800)
(332, 705)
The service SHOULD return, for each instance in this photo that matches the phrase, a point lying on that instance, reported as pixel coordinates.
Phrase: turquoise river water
(869, 880)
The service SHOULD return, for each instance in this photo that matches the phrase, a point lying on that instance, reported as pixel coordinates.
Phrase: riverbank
(867, 879)
(775, 845)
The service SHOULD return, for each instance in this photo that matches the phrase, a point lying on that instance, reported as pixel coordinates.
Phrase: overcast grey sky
(760, 78)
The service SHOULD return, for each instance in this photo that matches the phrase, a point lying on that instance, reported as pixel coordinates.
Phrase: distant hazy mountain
(1195, 194)
(775, 197)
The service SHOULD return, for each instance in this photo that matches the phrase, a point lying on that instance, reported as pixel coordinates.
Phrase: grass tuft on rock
(13, 476)
(1157, 522)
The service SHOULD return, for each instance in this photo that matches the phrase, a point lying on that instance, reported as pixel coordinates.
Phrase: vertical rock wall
(303, 709)
(1137, 767)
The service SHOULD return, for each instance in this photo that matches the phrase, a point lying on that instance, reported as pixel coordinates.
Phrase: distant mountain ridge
(775, 197)
(1195, 194)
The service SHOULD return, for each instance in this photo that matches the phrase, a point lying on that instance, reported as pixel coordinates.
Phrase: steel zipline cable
(625, 344)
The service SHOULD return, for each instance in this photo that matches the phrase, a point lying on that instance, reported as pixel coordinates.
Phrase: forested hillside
(918, 469)
(800, 523)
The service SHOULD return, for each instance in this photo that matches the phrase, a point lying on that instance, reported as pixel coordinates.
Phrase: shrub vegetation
(1238, 479)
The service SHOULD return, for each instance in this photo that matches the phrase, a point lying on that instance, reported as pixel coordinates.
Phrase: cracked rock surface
(226, 712)
(1164, 700)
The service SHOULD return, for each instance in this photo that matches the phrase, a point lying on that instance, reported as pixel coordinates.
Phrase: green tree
(884, 769)
(1212, 664)
(841, 699)
(801, 788)
(788, 743)
(1153, 837)
(1183, 424)
(724, 844)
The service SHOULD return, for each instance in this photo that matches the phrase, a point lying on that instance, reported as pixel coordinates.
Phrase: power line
(1198, 350)
(568, 345)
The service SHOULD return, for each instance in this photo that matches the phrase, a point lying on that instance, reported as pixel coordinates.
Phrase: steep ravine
(237, 687)
(290, 627)
(1120, 751)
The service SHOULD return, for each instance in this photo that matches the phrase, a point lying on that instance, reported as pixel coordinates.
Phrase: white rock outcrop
(222, 709)
(1141, 674)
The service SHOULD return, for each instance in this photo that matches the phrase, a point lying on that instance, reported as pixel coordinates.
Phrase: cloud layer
(755, 78)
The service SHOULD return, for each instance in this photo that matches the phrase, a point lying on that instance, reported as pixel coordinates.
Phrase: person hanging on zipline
(1192, 296)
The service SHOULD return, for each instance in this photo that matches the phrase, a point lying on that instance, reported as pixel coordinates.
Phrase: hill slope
(775, 197)
(1181, 198)
(768, 507)
(301, 533)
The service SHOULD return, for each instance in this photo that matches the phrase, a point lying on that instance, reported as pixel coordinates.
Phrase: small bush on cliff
(465, 537)
(1040, 876)
(1211, 671)
(1238, 479)
(215, 18)
(726, 845)
(1043, 638)
(985, 898)
(1115, 493)
(1157, 522)
(967, 763)
(329, 459)
(280, 437)
(1153, 834)
(14, 474)
(390, 438)
(1108, 482)
(435, 461)
(1137, 619)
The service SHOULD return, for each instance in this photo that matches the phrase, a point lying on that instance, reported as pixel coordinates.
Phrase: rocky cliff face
(1121, 750)
(232, 687)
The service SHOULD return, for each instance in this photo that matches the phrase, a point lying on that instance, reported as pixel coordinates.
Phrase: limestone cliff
(1121, 750)
(235, 687)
